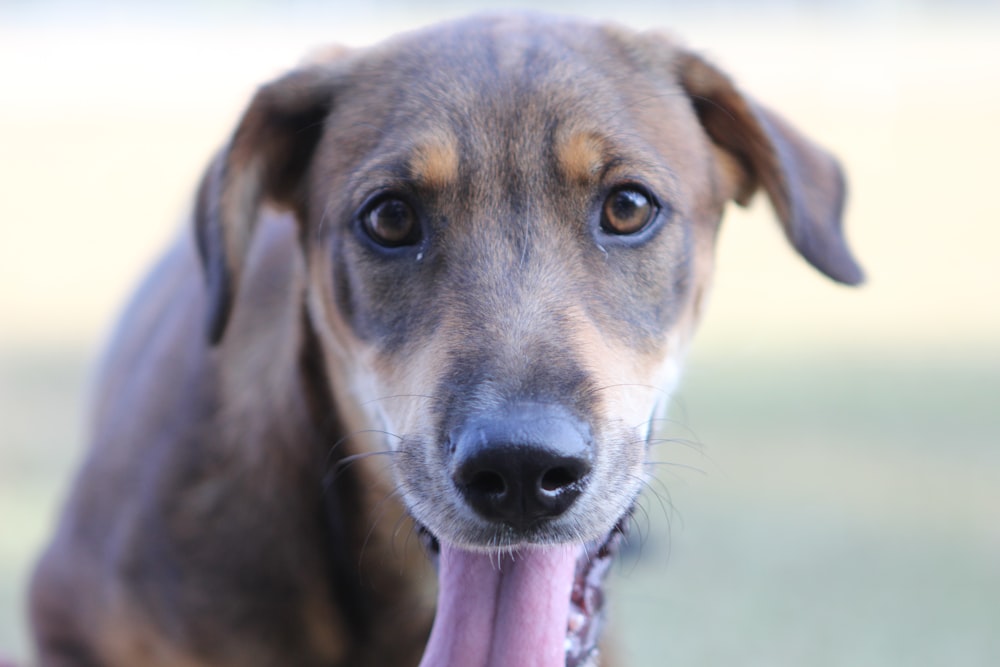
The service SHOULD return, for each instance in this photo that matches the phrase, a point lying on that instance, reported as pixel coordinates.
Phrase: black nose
(529, 463)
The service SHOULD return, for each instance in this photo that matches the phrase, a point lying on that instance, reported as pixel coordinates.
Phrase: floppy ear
(804, 183)
(266, 160)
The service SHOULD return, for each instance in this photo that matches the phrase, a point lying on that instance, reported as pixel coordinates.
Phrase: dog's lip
(586, 617)
(586, 605)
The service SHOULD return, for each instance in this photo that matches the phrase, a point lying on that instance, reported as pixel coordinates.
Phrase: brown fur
(435, 162)
(242, 503)
(581, 156)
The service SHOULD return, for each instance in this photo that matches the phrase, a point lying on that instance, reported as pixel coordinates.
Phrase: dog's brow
(581, 156)
(434, 161)
(588, 156)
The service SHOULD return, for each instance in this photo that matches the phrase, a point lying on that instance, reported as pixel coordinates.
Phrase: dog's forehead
(494, 73)
(487, 54)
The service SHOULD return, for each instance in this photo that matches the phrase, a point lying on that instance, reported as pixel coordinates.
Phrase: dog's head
(509, 227)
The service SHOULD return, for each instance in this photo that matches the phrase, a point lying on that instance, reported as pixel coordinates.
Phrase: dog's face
(509, 228)
(521, 251)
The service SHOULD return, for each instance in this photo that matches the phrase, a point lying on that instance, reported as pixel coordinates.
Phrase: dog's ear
(266, 160)
(804, 183)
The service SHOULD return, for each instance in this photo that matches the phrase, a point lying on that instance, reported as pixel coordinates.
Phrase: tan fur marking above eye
(581, 156)
(435, 161)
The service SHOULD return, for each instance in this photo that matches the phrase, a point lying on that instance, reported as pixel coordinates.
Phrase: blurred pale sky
(108, 113)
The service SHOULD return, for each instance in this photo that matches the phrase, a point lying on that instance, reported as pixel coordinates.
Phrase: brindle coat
(211, 524)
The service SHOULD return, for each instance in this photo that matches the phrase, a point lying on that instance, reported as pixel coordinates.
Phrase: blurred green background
(832, 493)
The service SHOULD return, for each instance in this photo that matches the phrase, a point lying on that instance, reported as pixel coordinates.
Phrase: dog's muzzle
(520, 600)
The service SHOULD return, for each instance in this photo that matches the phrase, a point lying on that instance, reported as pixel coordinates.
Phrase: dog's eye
(627, 211)
(391, 222)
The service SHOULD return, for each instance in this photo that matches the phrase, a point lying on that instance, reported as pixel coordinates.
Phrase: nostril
(556, 479)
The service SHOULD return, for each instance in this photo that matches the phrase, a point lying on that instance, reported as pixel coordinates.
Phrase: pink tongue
(496, 615)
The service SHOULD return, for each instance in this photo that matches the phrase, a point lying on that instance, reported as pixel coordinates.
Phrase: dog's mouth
(537, 605)
(586, 612)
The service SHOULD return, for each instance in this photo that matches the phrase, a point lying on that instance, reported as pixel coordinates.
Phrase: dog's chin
(537, 603)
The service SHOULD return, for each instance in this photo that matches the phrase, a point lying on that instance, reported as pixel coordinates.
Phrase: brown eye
(391, 223)
(627, 211)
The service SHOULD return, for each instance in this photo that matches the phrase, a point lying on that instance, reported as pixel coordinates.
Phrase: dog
(439, 287)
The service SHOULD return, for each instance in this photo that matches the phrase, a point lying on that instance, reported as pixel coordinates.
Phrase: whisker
(693, 445)
(643, 536)
(379, 511)
(379, 399)
(341, 441)
(594, 390)
(323, 220)
(680, 466)
(670, 421)
(400, 521)
(670, 510)
(665, 506)
(344, 463)
(657, 425)
(634, 547)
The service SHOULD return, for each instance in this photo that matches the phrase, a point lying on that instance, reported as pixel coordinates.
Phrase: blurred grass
(847, 516)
